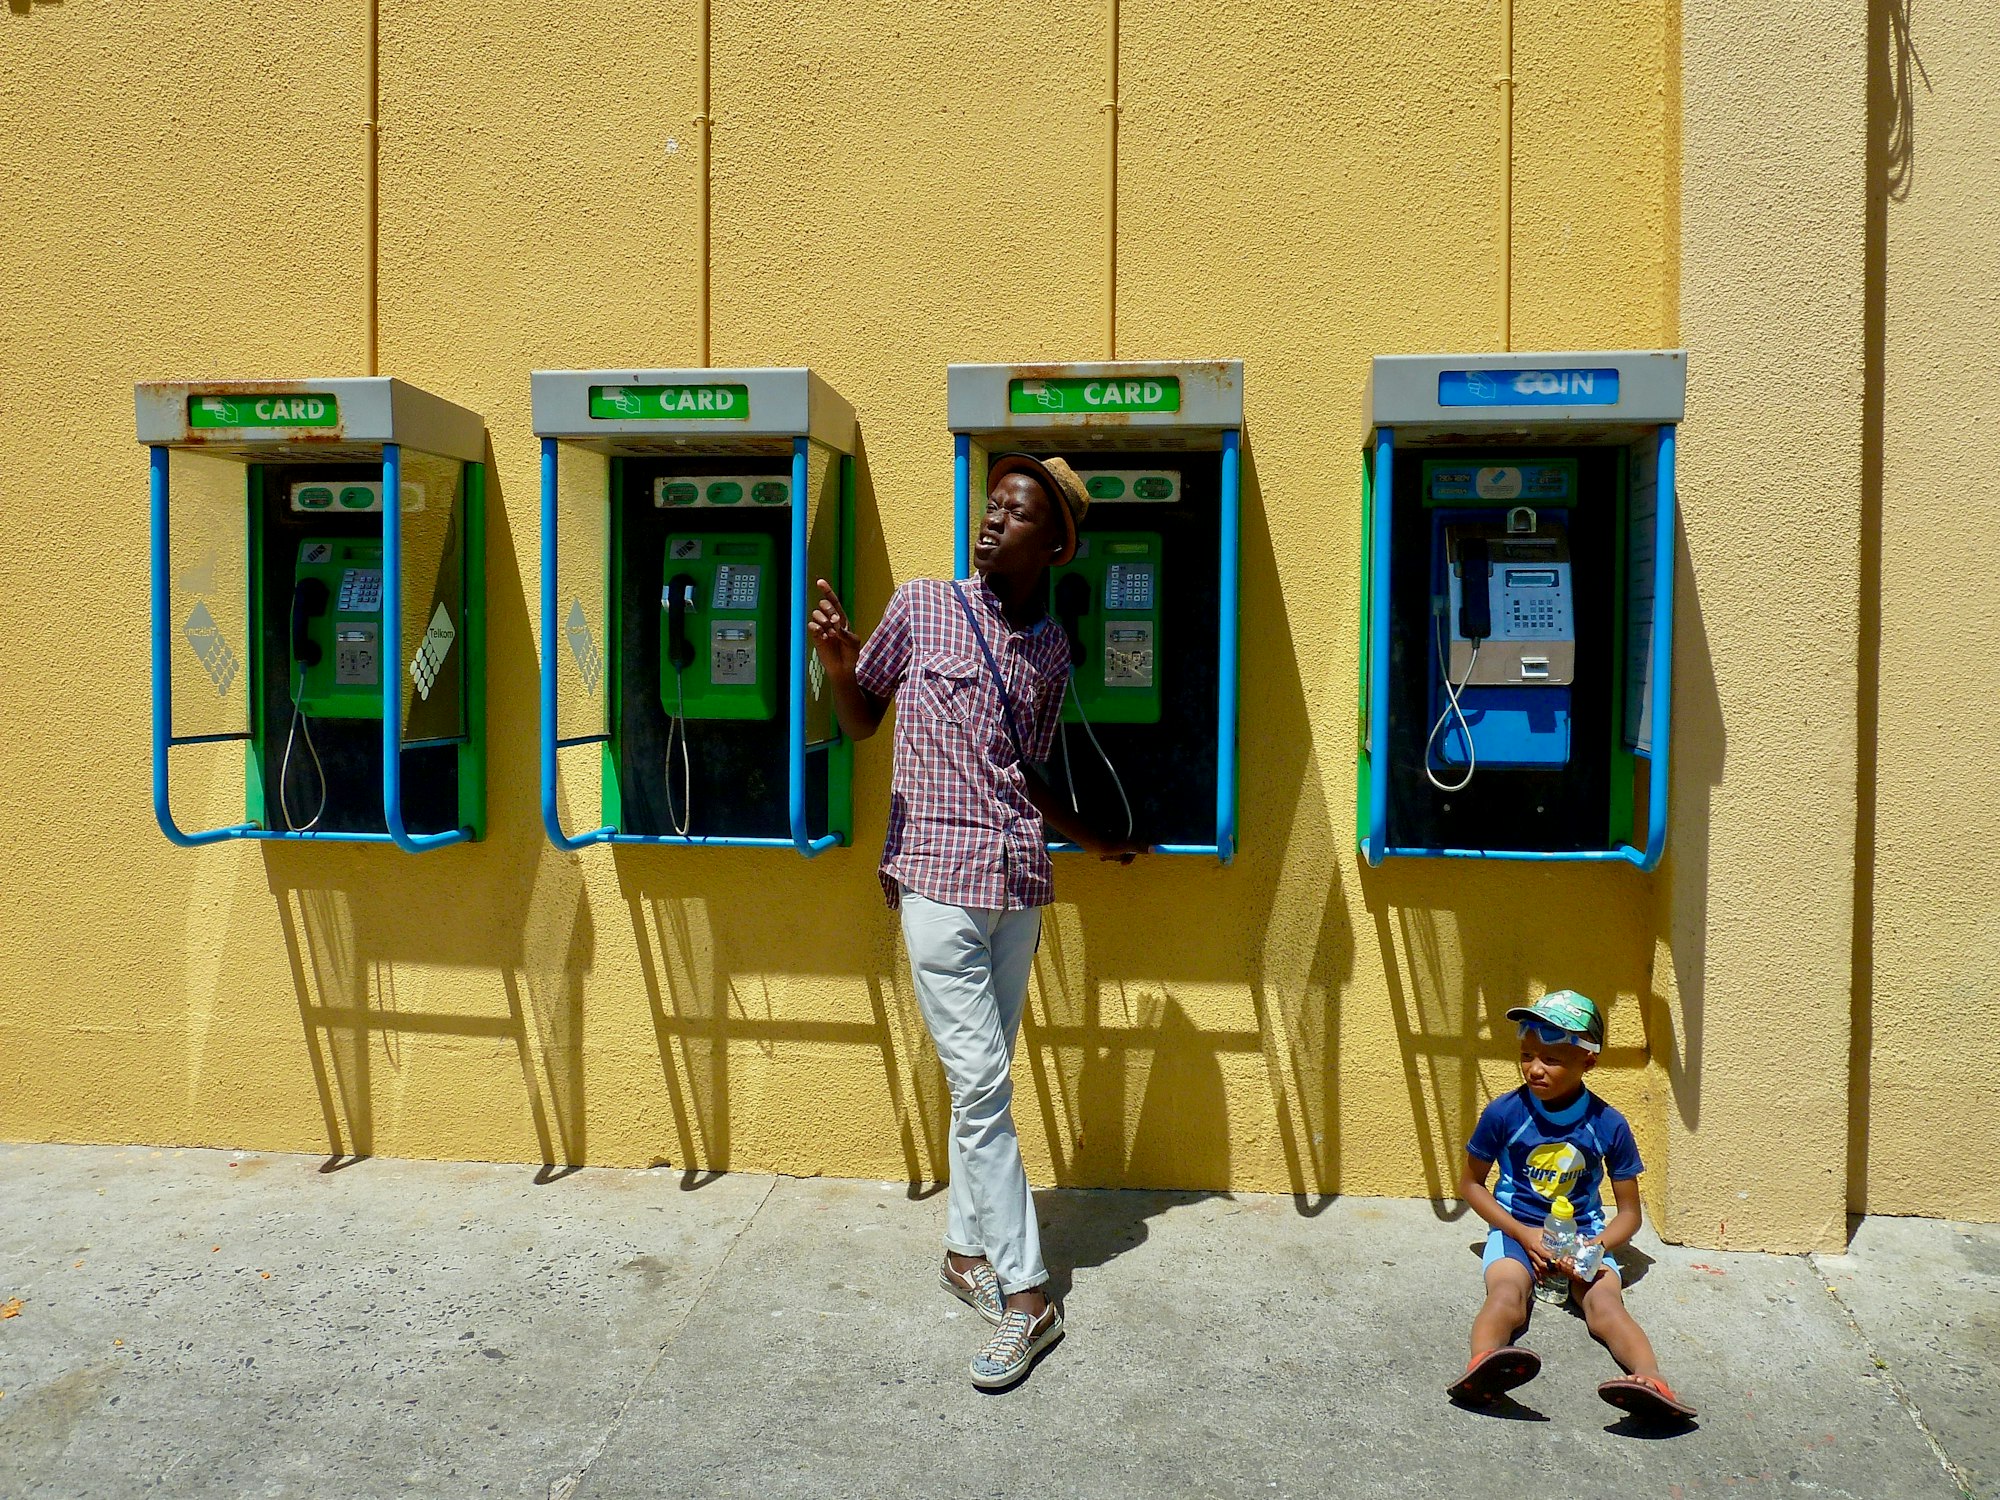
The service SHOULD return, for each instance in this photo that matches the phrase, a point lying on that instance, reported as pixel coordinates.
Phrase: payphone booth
(685, 515)
(1518, 605)
(318, 594)
(1149, 602)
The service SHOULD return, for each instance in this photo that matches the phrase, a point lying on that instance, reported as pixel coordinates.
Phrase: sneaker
(977, 1287)
(1013, 1347)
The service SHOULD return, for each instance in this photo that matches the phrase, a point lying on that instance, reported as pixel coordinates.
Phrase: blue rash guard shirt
(1544, 1154)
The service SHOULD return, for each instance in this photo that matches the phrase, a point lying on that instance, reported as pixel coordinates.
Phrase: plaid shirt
(961, 827)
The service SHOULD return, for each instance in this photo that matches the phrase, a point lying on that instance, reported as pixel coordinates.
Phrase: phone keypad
(360, 591)
(736, 586)
(1532, 616)
(1128, 586)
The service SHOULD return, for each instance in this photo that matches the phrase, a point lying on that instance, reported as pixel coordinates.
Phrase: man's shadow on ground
(1086, 1228)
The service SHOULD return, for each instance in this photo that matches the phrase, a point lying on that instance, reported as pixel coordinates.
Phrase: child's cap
(1565, 1011)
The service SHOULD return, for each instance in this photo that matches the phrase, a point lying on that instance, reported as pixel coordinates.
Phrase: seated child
(1553, 1138)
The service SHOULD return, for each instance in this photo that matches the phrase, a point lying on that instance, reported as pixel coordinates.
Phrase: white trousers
(971, 967)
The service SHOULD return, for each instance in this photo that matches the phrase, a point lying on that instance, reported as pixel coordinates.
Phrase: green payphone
(718, 623)
(336, 628)
(1108, 600)
(338, 638)
(1156, 444)
(685, 516)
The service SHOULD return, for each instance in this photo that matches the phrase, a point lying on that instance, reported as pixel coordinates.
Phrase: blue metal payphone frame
(1210, 405)
(1634, 399)
(789, 405)
(375, 414)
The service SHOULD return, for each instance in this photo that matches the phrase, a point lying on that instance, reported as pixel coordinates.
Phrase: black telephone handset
(1475, 594)
(1072, 604)
(680, 599)
(309, 601)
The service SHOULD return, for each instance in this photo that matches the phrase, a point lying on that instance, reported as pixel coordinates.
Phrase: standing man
(978, 671)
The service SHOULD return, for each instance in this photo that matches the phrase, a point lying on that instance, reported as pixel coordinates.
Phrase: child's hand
(1584, 1253)
(1530, 1240)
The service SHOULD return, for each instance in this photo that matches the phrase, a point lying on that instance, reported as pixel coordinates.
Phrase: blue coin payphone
(1517, 605)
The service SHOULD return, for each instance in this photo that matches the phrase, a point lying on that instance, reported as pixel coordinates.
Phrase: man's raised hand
(835, 641)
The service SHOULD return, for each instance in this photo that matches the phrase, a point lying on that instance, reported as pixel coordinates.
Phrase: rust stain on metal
(180, 392)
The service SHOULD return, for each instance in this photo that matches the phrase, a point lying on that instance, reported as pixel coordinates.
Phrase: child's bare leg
(1611, 1325)
(1505, 1313)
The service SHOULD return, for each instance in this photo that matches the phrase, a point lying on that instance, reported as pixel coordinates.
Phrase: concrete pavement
(210, 1323)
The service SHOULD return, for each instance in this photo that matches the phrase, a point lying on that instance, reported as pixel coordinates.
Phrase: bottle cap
(1561, 1208)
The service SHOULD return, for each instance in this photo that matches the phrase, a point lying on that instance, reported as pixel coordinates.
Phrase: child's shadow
(1651, 1429)
(1502, 1407)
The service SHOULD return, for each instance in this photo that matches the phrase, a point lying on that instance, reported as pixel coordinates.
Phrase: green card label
(653, 403)
(305, 410)
(1066, 394)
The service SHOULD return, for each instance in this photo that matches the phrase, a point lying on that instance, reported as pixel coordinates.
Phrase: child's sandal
(1647, 1397)
(1495, 1371)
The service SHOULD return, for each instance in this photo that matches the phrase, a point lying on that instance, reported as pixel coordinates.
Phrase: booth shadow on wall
(1675, 1008)
(1128, 1083)
(710, 924)
(362, 925)
(1457, 946)
(1127, 1063)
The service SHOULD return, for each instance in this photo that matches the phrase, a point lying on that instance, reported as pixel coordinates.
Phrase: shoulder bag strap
(999, 682)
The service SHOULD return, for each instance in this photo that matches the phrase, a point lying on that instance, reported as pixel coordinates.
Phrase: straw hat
(1060, 482)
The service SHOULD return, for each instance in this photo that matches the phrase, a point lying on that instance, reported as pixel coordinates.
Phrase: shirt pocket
(950, 687)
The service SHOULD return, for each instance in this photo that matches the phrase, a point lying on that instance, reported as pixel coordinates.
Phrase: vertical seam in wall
(1670, 175)
(372, 192)
(1505, 83)
(1110, 113)
(703, 125)
(1876, 168)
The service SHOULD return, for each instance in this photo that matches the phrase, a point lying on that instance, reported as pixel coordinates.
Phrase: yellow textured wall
(1927, 982)
(1749, 1025)
(894, 188)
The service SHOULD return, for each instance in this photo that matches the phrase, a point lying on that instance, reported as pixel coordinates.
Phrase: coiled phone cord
(285, 767)
(1451, 708)
(677, 729)
(1063, 734)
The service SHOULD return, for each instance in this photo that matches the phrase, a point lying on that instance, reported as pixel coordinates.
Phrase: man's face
(1553, 1070)
(1019, 533)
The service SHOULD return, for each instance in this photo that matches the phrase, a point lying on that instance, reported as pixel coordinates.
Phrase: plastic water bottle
(1559, 1241)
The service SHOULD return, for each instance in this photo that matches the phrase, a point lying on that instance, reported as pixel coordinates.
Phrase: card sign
(207, 413)
(1095, 394)
(669, 403)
